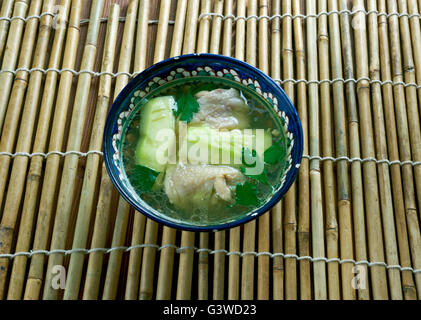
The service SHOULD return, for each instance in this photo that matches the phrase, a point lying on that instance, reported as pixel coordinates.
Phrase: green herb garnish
(144, 178)
(246, 194)
(246, 156)
(186, 106)
(274, 154)
(259, 177)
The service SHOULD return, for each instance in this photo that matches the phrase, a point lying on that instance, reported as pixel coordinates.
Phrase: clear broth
(259, 118)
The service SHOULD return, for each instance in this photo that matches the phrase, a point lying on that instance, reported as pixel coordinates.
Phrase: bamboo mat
(353, 71)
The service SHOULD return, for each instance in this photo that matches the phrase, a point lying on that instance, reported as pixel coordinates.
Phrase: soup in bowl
(202, 142)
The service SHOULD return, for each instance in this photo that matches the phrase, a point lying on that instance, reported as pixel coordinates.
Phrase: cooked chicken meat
(197, 186)
(221, 109)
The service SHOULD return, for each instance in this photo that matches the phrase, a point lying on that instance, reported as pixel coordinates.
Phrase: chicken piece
(198, 186)
(221, 109)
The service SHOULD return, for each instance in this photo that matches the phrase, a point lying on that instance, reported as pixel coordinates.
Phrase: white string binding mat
(279, 81)
(27, 18)
(304, 17)
(235, 18)
(31, 253)
(82, 21)
(85, 154)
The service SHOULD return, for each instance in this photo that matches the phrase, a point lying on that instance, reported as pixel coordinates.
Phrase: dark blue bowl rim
(296, 153)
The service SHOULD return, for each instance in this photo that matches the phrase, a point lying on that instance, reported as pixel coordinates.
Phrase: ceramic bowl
(182, 68)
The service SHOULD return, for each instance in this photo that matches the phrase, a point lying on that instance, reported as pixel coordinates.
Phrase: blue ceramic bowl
(227, 69)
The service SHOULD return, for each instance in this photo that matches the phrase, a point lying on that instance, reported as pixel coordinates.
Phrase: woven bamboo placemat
(349, 227)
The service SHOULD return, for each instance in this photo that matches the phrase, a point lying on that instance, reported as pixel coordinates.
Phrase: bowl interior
(182, 70)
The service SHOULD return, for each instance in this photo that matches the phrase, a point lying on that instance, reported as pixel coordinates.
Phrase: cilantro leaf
(259, 177)
(180, 103)
(143, 178)
(274, 154)
(246, 194)
(187, 106)
(247, 156)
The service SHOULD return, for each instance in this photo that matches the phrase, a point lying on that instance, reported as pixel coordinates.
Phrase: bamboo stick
(66, 193)
(42, 234)
(6, 11)
(123, 210)
(393, 151)
(27, 220)
(14, 105)
(412, 69)
(354, 150)
(149, 253)
(133, 273)
(203, 259)
(102, 218)
(148, 265)
(404, 133)
(290, 220)
(249, 236)
(234, 235)
(319, 267)
(16, 184)
(204, 28)
(11, 51)
(264, 228)
(114, 262)
(74, 273)
(389, 231)
(327, 151)
(219, 266)
(375, 237)
(185, 269)
(278, 270)
(142, 30)
(166, 261)
(228, 23)
(93, 272)
(277, 214)
(219, 256)
(341, 148)
(414, 10)
(203, 266)
(215, 37)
